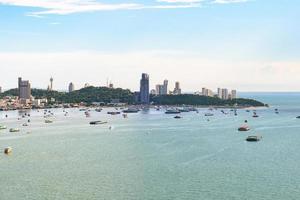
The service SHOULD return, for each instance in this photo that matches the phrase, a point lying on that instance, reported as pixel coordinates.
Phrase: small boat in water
(244, 128)
(131, 110)
(208, 114)
(113, 113)
(14, 130)
(298, 117)
(172, 111)
(7, 150)
(177, 117)
(2, 127)
(25, 124)
(255, 115)
(98, 122)
(253, 138)
(48, 121)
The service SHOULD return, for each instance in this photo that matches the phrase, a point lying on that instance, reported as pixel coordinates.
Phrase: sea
(152, 156)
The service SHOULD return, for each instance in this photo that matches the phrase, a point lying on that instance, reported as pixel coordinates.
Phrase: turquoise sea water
(151, 155)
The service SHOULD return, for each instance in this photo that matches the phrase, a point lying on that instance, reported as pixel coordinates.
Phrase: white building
(207, 92)
(224, 93)
(177, 90)
(233, 94)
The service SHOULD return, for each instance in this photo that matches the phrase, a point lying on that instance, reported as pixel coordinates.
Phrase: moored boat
(253, 138)
(2, 127)
(98, 122)
(7, 150)
(13, 130)
(244, 128)
(172, 111)
(48, 121)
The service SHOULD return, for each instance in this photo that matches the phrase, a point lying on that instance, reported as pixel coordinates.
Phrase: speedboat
(253, 138)
(98, 122)
(244, 128)
(208, 114)
(14, 130)
(113, 113)
(298, 117)
(177, 117)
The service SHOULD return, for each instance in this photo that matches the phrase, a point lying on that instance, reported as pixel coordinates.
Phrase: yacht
(172, 111)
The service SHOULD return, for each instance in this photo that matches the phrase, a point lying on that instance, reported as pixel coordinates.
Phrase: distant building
(24, 89)
(159, 89)
(165, 87)
(71, 87)
(225, 94)
(153, 92)
(177, 90)
(111, 85)
(50, 88)
(207, 92)
(137, 97)
(233, 94)
(0, 89)
(220, 93)
(144, 89)
(86, 85)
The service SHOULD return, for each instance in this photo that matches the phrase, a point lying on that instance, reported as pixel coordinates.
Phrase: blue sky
(248, 45)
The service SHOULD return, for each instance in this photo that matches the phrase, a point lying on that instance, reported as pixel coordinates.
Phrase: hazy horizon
(248, 45)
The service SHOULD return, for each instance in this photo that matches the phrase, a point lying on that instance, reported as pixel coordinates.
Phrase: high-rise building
(177, 90)
(165, 87)
(233, 94)
(224, 93)
(71, 87)
(159, 89)
(0, 89)
(220, 93)
(153, 92)
(144, 89)
(24, 89)
(207, 92)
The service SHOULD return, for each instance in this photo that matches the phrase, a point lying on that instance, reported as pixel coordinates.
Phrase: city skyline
(247, 45)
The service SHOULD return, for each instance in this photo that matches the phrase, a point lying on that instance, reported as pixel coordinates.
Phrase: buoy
(7, 150)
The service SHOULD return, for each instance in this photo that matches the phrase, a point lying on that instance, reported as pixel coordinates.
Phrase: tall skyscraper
(71, 87)
(0, 89)
(220, 93)
(24, 89)
(165, 87)
(144, 89)
(224, 93)
(177, 90)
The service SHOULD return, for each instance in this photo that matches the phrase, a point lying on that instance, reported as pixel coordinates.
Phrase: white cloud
(64, 7)
(229, 1)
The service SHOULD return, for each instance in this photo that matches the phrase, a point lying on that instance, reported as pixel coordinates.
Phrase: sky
(248, 45)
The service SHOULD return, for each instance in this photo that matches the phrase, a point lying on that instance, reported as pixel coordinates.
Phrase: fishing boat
(253, 138)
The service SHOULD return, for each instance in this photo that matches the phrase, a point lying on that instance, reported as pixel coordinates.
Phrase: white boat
(208, 114)
(244, 128)
(2, 127)
(13, 130)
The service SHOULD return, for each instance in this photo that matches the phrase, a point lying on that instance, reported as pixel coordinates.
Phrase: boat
(177, 117)
(98, 109)
(14, 130)
(255, 115)
(125, 115)
(183, 110)
(172, 111)
(131, 110)
(2, 127)
(113, 113)
(7, 150)
(298, 117)
(253, 138)
(244, 128)
(48, 121)
(208, 114)
(98, 122)
(25, 124)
